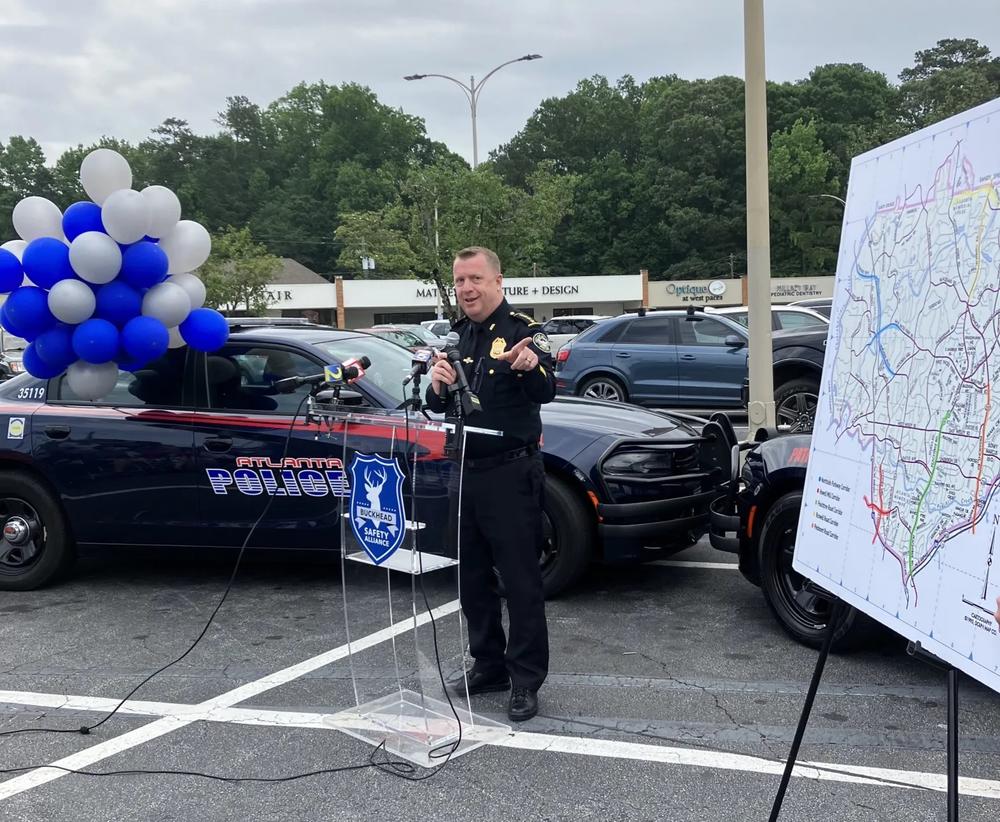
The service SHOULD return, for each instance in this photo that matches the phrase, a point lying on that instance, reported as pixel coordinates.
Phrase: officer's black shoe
(480, 682)
(523, 704)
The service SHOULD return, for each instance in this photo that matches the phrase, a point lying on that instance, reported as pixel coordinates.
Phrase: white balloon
(72, 301)
(102, 172)
(164, 210)
(91, 382)
(36, 217)
(125, 215)
(15, 247)
(167, 302)
(95, 257)
(187, 246)
(176, 340)
(193, 287)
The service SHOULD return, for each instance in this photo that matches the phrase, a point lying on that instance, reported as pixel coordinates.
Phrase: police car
(186, 451)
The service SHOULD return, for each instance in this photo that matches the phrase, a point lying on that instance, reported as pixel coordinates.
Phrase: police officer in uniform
(507, 362)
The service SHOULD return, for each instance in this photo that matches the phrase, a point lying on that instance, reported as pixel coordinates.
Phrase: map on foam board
(901, 507)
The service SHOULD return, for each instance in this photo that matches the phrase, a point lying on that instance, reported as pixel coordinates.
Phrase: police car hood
(615, 419)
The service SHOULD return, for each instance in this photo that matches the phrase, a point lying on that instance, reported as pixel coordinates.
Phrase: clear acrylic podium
(400, 552)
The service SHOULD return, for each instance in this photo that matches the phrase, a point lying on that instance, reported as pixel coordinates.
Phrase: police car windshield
(390, 364)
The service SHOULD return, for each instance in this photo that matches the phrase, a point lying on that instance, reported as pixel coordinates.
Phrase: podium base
(418, 728)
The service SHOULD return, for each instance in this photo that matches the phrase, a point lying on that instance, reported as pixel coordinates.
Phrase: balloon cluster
(108, 284)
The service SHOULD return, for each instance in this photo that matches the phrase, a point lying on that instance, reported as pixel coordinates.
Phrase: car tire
(795, 404)
(569, 539)
(801, 607)
(604, 388)
(26, 500)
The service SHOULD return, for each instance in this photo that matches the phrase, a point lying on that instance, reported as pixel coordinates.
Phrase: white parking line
(95, 753)
(681, 563)
(182, 714)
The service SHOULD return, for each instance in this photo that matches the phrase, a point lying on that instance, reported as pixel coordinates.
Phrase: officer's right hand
(442, 373)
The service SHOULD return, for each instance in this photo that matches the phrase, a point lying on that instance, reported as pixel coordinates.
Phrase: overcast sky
(75, 70)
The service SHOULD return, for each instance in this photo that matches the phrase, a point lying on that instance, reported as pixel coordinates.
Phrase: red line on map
(879, 509)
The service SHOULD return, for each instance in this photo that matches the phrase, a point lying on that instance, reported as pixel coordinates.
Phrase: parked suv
(671, 359)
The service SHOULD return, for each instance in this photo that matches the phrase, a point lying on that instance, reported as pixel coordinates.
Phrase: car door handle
(57, 432)
(689, 357)
(623, 354)
(219, 444)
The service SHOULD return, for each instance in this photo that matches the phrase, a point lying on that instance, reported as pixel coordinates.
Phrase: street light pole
(760, 411)
(472, 91)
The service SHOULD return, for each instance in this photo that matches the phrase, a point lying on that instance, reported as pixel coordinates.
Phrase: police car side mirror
(735, 341)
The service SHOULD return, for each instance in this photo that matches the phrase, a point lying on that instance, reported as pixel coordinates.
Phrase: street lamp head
(415, 77)
(531, 57)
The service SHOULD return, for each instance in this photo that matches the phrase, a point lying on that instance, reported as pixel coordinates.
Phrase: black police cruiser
(152, 464)
(757, 519)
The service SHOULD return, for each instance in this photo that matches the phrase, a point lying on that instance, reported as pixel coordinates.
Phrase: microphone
(336, 374)
(421, 363)
(468, 401)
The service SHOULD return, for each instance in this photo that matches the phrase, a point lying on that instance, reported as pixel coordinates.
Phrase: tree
(22, 174)
(238, 271)
(380, 235)
(800, 171)
(950, 78)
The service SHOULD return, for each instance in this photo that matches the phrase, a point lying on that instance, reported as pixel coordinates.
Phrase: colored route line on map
(923, 495)
(878, 510)
(982, 453)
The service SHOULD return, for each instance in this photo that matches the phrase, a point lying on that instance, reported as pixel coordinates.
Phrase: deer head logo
(373, 490)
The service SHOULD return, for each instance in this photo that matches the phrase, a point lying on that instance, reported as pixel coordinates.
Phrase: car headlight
(17, 366)
(639, 464)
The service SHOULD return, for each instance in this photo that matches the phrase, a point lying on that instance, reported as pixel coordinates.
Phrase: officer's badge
(498, 347)
(377, 513)
(541, 342)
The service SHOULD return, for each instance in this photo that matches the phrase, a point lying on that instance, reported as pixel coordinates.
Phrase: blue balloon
(205, 329)
(55, 346)
(11, 272)
(27, 308)
(145, 339)
(13, 327)
(46, 262)
(95, 341)
(37, 367)
(118, 303)
(144, 265)
(80, 218)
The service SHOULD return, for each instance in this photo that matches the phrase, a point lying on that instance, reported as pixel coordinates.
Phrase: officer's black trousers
(502, 526)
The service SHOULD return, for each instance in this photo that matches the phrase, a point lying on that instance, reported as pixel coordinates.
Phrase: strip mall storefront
(363, 303)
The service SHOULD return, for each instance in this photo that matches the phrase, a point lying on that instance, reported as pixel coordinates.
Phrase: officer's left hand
(520, 357)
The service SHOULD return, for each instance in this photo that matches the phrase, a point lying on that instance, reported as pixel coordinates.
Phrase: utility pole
(760, 411)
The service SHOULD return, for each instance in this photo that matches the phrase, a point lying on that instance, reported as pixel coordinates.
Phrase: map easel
(915, 650)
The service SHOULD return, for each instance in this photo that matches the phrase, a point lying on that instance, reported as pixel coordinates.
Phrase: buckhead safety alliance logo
(377, 505)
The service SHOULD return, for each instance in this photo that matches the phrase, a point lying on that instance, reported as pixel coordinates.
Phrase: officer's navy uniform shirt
(510, 399)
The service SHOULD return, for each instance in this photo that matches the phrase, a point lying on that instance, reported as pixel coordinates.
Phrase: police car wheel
(801, 606)
(568, 539)
(35, 546)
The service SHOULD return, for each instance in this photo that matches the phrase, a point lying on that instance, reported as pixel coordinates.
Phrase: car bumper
(724, 524)
(627, 528)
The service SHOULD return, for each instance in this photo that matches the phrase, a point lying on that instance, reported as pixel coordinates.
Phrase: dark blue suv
(671, 359)
(187, 451)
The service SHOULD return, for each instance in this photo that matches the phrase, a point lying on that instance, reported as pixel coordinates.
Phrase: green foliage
(238, 271)
(610, 178)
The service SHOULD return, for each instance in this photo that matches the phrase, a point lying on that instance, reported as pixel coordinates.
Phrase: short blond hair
(473, 250)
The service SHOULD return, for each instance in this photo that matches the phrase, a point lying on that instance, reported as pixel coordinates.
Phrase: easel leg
(952, 745)
(835, 614)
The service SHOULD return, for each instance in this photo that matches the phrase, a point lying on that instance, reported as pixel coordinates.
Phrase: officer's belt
(479, 463)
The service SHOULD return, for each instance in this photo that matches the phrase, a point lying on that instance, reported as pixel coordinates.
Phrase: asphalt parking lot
(672, 695)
